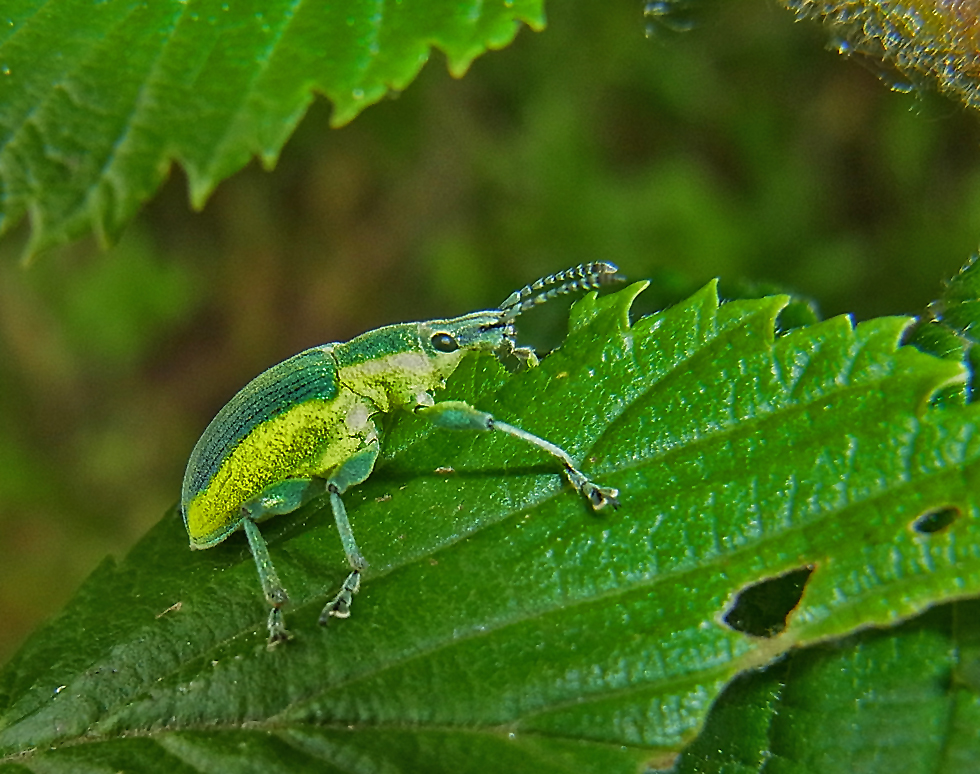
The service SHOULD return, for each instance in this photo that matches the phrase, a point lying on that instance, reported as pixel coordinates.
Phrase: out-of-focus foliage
(742, 149)
(84, 141)
(925, 43)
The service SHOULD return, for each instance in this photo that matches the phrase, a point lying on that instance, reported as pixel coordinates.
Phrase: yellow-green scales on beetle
(306, 427)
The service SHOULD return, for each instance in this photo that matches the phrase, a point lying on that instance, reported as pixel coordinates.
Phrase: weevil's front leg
(527, 356)
(284, 497)
(351, 472)
(457, 415)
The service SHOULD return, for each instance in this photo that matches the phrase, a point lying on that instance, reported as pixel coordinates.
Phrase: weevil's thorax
(397, 366)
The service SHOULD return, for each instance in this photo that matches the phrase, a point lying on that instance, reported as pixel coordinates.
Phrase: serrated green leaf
(98, 99)
(959, 306)
(950, 331)
(903, 699)
(501, 620)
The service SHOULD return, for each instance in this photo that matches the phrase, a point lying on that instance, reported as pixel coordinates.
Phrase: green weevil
(307, 427)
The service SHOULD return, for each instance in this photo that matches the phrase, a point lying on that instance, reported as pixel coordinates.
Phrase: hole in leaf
(936, 520)
(762, 608)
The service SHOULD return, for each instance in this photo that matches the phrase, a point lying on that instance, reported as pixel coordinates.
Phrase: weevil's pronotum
(306, 427)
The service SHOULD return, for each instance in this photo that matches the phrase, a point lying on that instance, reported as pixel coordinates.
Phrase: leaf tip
(586, 309)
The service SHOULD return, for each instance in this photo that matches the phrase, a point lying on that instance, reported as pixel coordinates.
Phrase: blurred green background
(742, 149)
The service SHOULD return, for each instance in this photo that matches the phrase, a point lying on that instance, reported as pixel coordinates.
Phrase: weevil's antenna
(587, 276)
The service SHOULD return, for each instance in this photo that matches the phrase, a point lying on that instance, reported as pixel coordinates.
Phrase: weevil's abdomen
(291, 421)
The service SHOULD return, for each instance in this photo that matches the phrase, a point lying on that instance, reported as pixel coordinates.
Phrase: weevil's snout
(503, 332)
(501, 337)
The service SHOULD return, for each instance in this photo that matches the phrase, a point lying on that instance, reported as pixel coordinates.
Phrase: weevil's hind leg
(351, 472)
(284, 497)
(457, 415)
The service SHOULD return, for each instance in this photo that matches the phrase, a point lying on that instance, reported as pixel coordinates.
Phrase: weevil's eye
(443, 342)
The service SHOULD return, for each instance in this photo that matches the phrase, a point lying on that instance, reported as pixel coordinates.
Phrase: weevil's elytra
(305, 428)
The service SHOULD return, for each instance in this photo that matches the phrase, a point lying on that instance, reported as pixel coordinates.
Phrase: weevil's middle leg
(351, 472)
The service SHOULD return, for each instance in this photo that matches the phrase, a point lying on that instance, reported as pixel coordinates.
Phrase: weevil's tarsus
(339, 606)
(599, 497)
(526, 356)
(277, 629)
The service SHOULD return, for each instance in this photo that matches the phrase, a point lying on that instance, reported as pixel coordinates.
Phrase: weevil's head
(397, 365)
(495, 330)
(478, 331)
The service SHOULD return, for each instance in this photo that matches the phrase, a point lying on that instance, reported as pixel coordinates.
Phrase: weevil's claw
(339, 606)
(526, 356)
(277, 629)
(600, 497)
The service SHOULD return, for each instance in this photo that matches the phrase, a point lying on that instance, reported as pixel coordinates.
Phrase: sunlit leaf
(501, 620)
